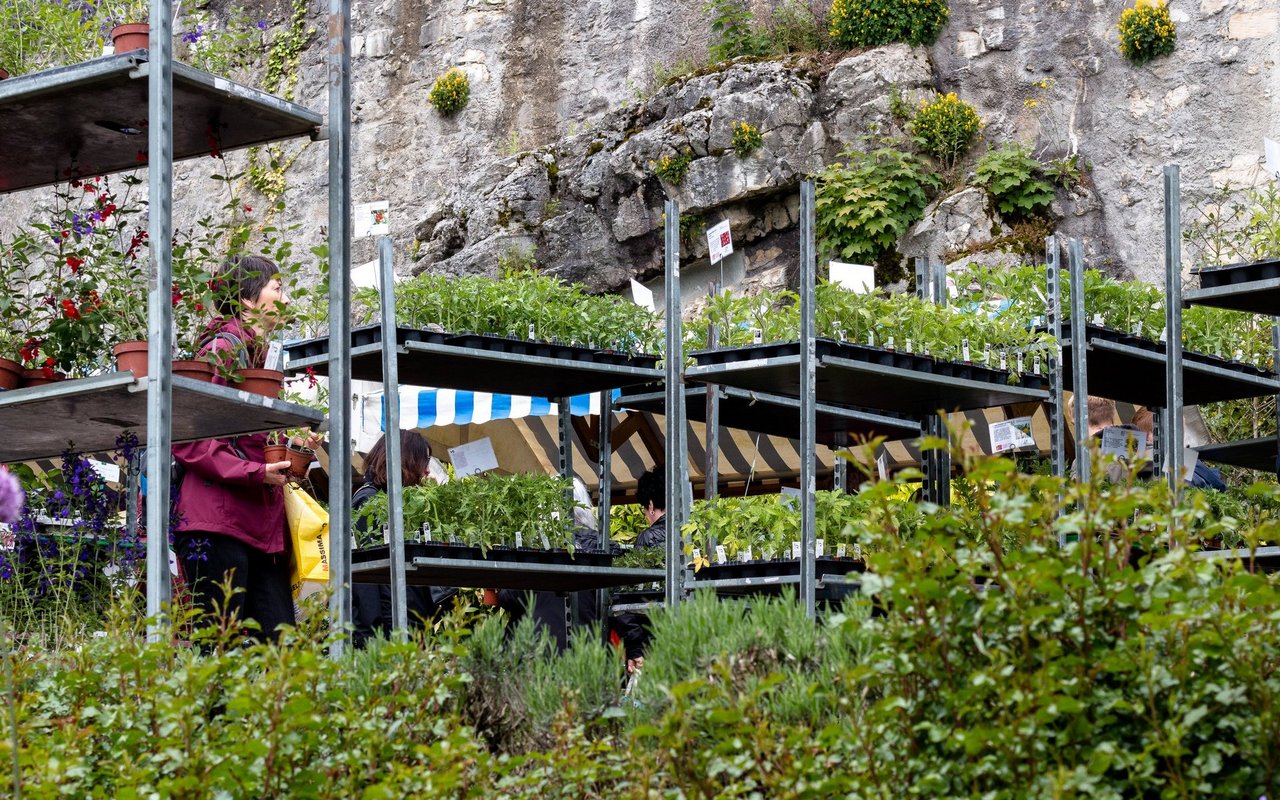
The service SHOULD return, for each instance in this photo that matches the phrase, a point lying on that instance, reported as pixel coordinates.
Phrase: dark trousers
(210, 559)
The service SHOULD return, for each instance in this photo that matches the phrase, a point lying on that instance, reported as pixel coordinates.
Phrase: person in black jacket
(633, 629)
(371, 603)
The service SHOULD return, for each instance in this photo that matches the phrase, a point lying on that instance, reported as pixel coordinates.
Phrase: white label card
(1117, 441)
(1271, 150)
(275, 355)
(882, 465)
(473, 458)
(1011, 434)
(719, 241)
(109, 472)
(519, 538)
(642, 295)
(841, 550)
(697, 554)
(372, 219)
(795, 549)
(857, 278)
(1190, 458)
(546, 545)
(721, 556)
(820, 547)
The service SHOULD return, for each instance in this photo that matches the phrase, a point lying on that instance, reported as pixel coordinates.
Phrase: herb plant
(945, 127)
(734, 31)
(1015, 181)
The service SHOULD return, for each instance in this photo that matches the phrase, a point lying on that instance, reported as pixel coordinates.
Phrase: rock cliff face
(554, 151)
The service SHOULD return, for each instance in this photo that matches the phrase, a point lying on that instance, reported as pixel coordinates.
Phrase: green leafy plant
(866, 203)
(451, 92)
(1147, 31)
(734, 31)
(746, 139)
(945, 127)
(870, 23)
(672, 168)
(1015, 181)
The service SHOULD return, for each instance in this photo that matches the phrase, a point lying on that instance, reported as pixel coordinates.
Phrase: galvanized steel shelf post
(808, 400)
(676, 468)
(1057, 420)
(1079, 358)
(1172, 416)
(391, 414)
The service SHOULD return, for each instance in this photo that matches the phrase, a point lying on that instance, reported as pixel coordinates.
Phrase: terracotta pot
(274, 453)
(300, 459)
(36, 377)
(10, 374)
(132, 36)
(4, 73)
(489, 597)
(266, 382)
(195, 370)
(132, 357)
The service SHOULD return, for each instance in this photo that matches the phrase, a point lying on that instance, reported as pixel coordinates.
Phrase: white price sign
(719, 241)
(473, 458)
(372, 219)
(1011, 434)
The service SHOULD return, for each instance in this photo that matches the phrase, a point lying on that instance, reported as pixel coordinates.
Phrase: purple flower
(261, 24)
(191, 37)
(11, 496)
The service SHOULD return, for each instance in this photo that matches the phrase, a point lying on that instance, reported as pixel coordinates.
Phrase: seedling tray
(1132, 369)
(778, 567)
(481, 362)
(867, 377)
(1251, 287)
(775, 415)
(441, 565)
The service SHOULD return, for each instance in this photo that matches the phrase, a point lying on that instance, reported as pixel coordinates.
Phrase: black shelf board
(1132, 369)
(373, 565)
(91, 413)
(1262, 559)
(1253, 287)
(1258, 454)
(774, 415)
(68, 122)
(865, 377)
(473, 362)
(837, 577)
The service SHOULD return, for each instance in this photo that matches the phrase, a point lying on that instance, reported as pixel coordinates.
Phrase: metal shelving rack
(87, 116)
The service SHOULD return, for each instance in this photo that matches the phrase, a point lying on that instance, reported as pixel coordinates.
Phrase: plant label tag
(889, 344)
(519, 539)
(857, 551)
(1098, 320)
(109, 472)
(986, 354)
(721, 556)
(275, 355)
(719, 241)
(473, 458)
(1036, 368)
(386, 534)
(697, 554)
(840, 550)
(745, 555)
(1137, 328)
(426, 532)
(641, 295)
(1011, 434)
(819, 547)
(964, 350)
(871, 338)
(768, 555)
(1190, 458)
(1019, 362)
(1239, 355)
(882, 465)
(372, 219)
(546, 545)
(1004, 360)
(856, 278)
(909, 349)
(1271, 151)
(795, 549)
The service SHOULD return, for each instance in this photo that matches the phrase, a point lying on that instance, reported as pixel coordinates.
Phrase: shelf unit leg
(391, 430)
(1055, 405)
(676, 467)
(808, 402)
(339, 63)
(1079, 359)
(1173, 328)
(159, 312)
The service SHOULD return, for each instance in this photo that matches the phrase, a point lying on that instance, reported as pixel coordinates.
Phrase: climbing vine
(267, 172)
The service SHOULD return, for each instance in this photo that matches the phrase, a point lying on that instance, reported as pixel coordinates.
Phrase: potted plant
(275, 449)
(128, 23)
(298, 454)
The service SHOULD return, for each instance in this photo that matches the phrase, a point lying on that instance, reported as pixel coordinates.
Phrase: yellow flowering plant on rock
(451, 92)
(945, 127)
(1147, 31)
(869, 23)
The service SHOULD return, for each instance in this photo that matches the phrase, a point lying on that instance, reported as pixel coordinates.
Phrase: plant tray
(1132, 369)
(777, 568)
(868, 377)
(481, 362)
(1263, 559)
(426, 567)
(511, 555)
(1251, 287)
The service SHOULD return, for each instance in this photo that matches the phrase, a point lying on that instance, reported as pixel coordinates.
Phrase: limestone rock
(953, 223)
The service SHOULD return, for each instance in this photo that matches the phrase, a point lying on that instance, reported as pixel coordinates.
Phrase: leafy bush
(734, 31)
(1147, 31)
(672, 168)
(451, 92)
(746, 139)
(799, 26)
(870, 23)
(865, 204)
(1015, 181)
(945, 127)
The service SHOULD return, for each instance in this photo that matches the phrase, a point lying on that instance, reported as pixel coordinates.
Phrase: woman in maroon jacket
(231, 524)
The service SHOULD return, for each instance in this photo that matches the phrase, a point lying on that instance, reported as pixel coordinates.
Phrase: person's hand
(311, 441)
(635, 664)
(277, 473)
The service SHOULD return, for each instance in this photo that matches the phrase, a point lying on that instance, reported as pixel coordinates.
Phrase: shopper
(371, 603)
(230, 505)
(632, 630)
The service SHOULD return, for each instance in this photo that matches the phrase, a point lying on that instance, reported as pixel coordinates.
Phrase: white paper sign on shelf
(721, 556)
(275, 355)
(372, 219)
(1271, 149)
(473, 458)
(1011, 434)
(857, 278)
(795, 549)
(109, 472)
(369, 276)
(1190, 458)
(642, 295)
(719, 241)
(1118, 441)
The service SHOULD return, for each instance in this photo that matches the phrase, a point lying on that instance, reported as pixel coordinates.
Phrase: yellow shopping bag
(309, 536)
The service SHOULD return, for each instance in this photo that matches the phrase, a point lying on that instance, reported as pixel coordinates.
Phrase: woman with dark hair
(230, 504)
(371, 603)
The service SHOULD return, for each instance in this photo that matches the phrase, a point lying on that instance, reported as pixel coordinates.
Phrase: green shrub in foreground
(869, 23)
